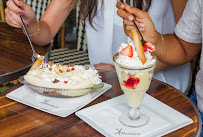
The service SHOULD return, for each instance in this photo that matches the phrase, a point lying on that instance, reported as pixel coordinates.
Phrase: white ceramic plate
(62, 107)
(104, 117)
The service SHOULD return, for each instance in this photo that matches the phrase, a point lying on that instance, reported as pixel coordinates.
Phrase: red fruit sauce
(131, 83)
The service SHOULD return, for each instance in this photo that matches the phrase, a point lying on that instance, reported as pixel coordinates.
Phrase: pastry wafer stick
(37, 63)
(138, 45)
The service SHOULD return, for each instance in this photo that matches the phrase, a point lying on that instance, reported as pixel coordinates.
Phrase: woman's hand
(19, 7)
(104, 66)
(141, 18)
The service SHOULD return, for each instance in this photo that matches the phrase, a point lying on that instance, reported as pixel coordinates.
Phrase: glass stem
(134, 113)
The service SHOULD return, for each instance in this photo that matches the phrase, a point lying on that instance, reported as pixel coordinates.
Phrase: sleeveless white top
(103, 41)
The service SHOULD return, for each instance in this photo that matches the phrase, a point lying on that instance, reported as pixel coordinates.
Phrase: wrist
(159, 43)
(33, 28)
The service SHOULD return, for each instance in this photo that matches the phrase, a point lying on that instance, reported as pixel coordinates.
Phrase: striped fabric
(39, 6)
(69, 57)
(81, 34)
(77, 56)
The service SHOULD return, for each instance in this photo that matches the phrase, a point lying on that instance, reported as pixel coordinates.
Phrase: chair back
(39, 6)
(2, 14)
(81, 33)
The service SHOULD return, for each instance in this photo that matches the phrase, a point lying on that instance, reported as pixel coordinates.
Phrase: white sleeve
(189, 27)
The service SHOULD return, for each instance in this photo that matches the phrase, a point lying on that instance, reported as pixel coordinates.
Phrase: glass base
(140, 121)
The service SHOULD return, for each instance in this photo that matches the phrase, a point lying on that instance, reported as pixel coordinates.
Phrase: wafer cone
(138, 45)
(37, 63)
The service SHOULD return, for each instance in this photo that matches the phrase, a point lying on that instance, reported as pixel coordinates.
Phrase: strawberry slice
(131, 83)
(127, 51)
(145, 49)
(149, 46)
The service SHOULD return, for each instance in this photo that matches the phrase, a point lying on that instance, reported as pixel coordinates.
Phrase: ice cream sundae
(135, 65)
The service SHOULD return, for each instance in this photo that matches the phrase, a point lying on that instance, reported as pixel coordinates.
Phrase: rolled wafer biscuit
(37, 63)
(138, 45)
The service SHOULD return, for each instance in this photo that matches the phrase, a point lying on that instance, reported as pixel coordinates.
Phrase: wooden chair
(78, 55)
(2, 14)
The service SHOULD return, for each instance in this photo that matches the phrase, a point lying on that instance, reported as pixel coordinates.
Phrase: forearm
(51, 21)
(174, 50)
(41, 37)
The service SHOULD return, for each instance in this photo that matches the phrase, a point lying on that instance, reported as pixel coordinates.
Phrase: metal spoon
(35, 55)
(142, 40)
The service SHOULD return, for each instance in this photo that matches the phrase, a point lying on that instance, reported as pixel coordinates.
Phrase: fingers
(129, 12)
(125, 15)
(104, 66)
(12, 6)
(23, 5)
(129, 25)
(136, 12)
(13, 10)
(120, 5)
(12, 19)
(14, 16)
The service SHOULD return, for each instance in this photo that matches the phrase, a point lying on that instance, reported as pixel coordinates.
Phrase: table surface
(17, 119)
(15, 53)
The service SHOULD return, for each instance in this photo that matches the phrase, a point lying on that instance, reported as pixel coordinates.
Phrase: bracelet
(162, 45)
(37, 32)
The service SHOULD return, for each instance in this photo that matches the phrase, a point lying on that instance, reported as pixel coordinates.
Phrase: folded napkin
(104, 117)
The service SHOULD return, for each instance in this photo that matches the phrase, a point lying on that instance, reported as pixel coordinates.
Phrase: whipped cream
(134, 61)
(57, 73)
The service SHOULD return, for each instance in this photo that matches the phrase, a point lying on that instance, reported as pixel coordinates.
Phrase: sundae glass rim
(136, 68)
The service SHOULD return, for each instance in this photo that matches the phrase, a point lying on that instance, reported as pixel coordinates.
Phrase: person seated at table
(178, 48)
(104, 29)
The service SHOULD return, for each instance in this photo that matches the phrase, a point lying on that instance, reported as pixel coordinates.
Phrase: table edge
(199, 121)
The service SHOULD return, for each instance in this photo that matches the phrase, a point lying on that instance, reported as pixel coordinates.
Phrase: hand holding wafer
(37, 63)
(138, 45)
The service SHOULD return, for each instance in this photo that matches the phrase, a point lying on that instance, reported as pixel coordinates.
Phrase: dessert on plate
(73, 80)
(135, 65)
(136, 79)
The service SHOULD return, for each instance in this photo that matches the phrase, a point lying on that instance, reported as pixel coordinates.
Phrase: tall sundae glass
(134, 81)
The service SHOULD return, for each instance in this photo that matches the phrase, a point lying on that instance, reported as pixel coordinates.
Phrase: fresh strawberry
(127, 51)
(145, 49)
(149, 46)
(131, 83)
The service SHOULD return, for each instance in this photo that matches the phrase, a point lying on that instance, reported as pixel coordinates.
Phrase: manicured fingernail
(26, 25)
(122, 6)
(20, 12)
(141, 24)
(141, 29)
(130, 18)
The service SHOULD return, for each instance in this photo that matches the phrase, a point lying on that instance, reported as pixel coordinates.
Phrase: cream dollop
(65, 74)
(134, 61)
